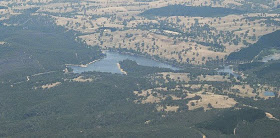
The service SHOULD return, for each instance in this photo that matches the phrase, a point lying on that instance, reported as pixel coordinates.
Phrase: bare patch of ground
(52, 85)
(82, 79)
(119, 66)
(270, 116)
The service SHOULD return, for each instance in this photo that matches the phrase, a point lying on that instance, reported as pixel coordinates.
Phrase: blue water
(271, 57)
(109, 63)
(269, 94)
(229, 70)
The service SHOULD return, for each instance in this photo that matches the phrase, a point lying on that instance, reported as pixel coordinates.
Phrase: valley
(139, 68)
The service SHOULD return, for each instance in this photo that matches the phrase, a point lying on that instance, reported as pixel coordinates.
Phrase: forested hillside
(39, 45)
(181, 10)
(268, 41)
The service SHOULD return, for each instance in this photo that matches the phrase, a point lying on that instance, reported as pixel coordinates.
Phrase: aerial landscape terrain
(140, 68)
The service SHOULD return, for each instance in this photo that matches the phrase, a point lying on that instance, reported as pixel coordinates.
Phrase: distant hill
(271, 40)
(181, 10)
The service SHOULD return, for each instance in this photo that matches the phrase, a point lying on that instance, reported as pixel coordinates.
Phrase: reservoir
(110, 63)
(269, 93)
(271, 57)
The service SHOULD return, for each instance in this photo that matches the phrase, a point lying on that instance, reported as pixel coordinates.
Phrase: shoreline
(164, 61)
(173, 67)
(83, 65)
(119, 66)
(86, 65)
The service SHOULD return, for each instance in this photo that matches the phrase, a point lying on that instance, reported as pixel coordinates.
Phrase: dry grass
(82, 79)
(175, 76)
(270, 116)
(213, 78)
(52, 85)
(153, 96)
(161, 45)
(121, 11)
(247, 91)
(211, 100)
(168, 108)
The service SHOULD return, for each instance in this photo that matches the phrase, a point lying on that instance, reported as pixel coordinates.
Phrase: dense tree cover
(102, 108)
(132, 68)
(181, 10)
(38, 45)
(258, 128)
(269, 73)
(227, 122)
(71, 106)
(271, 69)
(261, 72)
(271, 105)
(265, 42)
(248, 66)
(261, 127)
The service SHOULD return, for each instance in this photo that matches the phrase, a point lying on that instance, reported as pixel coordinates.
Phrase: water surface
(109, 63)
(229, 70)
(269, 94)
(271, 57)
